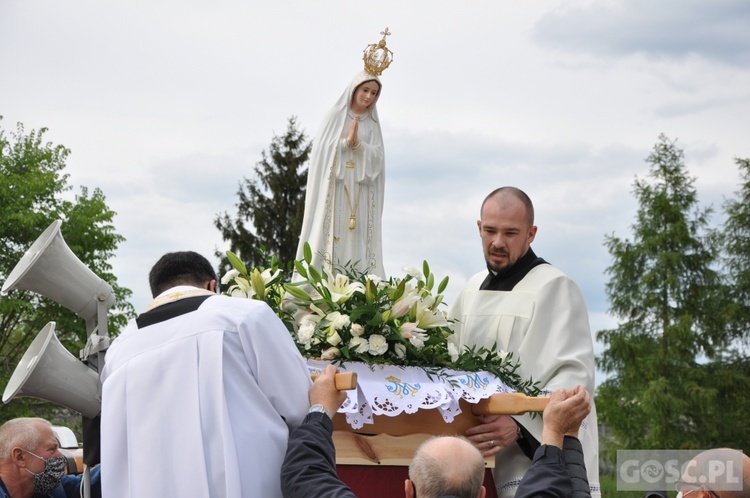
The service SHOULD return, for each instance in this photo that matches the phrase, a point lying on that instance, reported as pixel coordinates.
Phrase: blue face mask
(46, 481)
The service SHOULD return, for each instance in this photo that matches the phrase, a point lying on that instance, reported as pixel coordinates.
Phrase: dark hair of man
(518, 194)
(180, 268)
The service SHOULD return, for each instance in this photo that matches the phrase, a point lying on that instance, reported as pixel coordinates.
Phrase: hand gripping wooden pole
(345, 381)
(509, 404)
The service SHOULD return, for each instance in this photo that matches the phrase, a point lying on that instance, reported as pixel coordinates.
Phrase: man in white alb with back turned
(200, 392)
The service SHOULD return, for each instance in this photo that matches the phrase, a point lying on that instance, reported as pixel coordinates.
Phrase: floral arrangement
(352, 316)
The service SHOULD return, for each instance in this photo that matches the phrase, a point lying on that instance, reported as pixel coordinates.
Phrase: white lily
(399, 349)
(405, 303)
(341, 289)
(416, 335)
(229, 276)
(428, 317)
(334, 339)
(242, 288)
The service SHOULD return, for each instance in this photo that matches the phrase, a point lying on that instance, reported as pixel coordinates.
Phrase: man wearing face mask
(31, 464)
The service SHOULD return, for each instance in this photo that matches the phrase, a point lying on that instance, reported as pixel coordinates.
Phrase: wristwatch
(320, 408)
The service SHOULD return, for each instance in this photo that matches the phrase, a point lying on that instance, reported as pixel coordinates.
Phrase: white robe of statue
(345, 190)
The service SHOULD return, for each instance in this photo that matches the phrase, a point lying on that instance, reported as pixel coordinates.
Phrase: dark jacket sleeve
(547, 477)
(528, 442)
(71, 485)
(309, 468)
(573, 454)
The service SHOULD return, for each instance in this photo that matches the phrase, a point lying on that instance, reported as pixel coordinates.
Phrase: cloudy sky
(167, 105)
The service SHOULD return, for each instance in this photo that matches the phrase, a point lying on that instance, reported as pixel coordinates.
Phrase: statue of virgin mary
(346, 183)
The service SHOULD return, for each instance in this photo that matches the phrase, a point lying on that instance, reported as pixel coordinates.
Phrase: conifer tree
(665, 293)
(736, 243)
(273, 202)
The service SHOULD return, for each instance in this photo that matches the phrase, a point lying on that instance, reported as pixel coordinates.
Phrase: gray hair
(20, 432)
(459, 474)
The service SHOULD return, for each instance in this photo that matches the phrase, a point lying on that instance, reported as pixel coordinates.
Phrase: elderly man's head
(709, 475)
(446, 466)
(30, 459)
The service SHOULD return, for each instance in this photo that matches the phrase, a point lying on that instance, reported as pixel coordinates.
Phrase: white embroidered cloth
(391, 390)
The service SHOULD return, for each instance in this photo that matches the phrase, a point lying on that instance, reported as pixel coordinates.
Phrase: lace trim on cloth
(392, 390)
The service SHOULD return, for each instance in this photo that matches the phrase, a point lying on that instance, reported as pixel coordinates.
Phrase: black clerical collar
(507, 278)
(170, 310)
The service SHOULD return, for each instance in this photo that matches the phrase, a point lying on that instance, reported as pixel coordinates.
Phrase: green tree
(736, 243)
(274, 201)
(33, 194)
(664, 292)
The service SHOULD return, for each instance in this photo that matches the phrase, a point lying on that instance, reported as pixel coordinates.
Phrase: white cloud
(664, 29)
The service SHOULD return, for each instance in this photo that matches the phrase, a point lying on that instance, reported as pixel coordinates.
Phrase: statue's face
(364, 96)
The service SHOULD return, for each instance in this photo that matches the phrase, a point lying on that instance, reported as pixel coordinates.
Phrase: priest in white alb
(527, 307)
(200, 392)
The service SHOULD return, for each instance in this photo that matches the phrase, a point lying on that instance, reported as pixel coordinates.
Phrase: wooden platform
(392, 441)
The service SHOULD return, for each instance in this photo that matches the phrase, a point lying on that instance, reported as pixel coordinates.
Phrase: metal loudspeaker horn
(50, 268)
(48, 371)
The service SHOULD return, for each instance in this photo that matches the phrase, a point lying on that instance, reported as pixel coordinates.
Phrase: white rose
(414, 272)
(339, 321)
(378, 345)
(357, 330)
(305, 332)
(330, 353)
(453, 351)
(359, 345)
(374, 279)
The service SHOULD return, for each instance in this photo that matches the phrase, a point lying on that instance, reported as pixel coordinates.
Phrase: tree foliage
(736, 243)
(273, 201)
(667, 296)
(34, 192)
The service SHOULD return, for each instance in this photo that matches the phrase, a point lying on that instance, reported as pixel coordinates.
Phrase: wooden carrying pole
(345, 381)
(509, 404)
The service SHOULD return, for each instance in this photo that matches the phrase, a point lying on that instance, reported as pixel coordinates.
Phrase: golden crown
(377, 56)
